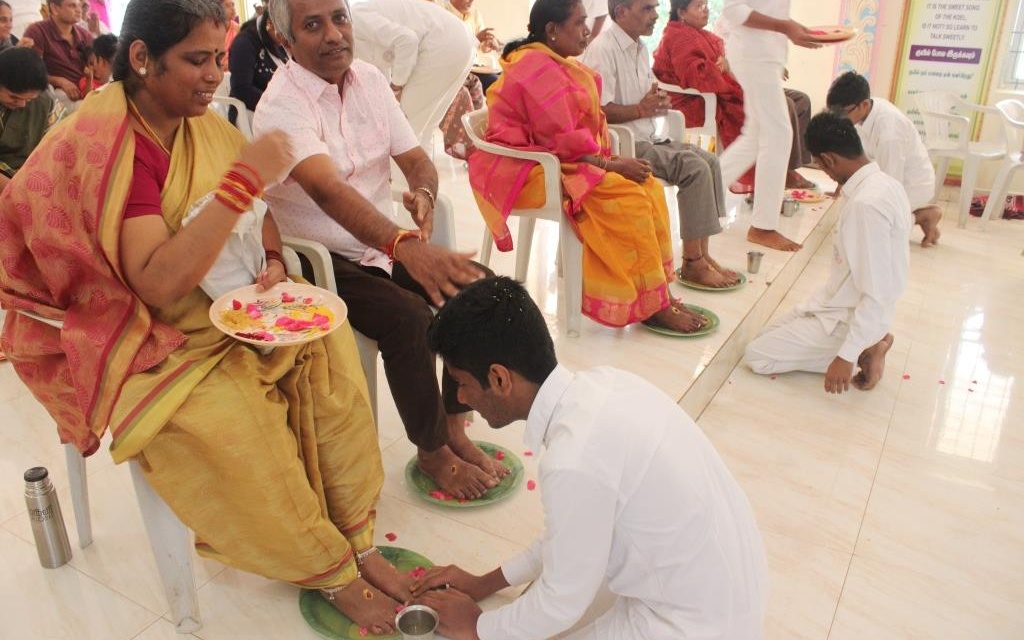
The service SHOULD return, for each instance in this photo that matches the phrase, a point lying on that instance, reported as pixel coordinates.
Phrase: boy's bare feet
(872, 363)
(466, 449)
(366, 605)
(928, 217)
(455, 476)
(383, 575)
(771, 239)
(702, 272)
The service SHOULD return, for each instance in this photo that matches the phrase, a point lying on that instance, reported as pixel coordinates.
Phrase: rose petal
(942, 382)
(906, 376)
(974, 382)
(399, 608)
(363, 631)
(390, 537)
(527, 453)
(531, 485)
(236, 305)
(773, 377)
(286, 297)
(499, 455)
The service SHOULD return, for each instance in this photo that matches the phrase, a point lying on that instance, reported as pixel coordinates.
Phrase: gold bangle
(427, 192)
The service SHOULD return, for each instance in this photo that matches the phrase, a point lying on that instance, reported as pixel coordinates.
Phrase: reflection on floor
(897, 513)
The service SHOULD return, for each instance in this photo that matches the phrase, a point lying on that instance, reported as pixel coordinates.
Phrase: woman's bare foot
(796, 181)
(366, 605)
(383, 575)
(677, 317)
(928, 217)
(872, 363)
(702, 272)
(771, 239)
(728, 273)
(455, 476)
(466, 449)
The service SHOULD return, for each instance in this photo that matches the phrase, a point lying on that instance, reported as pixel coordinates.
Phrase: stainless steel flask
(47, 521)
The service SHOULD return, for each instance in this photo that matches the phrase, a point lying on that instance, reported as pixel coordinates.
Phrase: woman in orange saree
(270, 458)
(547, 101)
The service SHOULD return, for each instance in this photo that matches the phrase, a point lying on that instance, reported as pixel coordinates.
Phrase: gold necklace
(145, 125)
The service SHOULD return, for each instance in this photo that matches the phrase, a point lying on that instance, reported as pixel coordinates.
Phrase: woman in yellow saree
(271, 459)
(547, 101)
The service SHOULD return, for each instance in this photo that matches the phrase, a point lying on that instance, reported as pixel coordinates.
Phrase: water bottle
(47, 521)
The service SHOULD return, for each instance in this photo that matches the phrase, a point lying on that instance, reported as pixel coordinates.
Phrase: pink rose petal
(390, 537)
(974, 382)
(286, 297)
(236, 305)
(531, 485)
(906, 376)
(399, 608)
(942, 382)
(499, 455)
(363, 631)
(527, 453)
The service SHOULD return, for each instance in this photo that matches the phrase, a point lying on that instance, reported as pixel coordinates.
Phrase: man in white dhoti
(423, 49)
(846, 323)
(890, 139)
(758, 36)
(634, 495)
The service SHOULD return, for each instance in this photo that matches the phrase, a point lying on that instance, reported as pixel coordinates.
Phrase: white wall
(508, 18)
(25, 13)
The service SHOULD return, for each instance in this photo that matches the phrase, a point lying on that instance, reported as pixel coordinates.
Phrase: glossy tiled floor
(897, 513)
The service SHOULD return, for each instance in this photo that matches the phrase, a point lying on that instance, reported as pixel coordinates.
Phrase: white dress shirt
(634, 494)
(391, 34)
(891, 140)
(595, 9)
(625, 68)
(870, 256)
(360, 132)
(755, 44)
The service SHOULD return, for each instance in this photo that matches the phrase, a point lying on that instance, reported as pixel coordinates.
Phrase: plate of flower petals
(288, 313)
(832, 33)
(424, 486)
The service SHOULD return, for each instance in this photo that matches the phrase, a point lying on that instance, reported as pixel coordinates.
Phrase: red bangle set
(402, 234)
(237, 191)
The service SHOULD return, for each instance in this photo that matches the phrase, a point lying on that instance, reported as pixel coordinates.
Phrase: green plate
(422, 485)
(710, 327)
(328, 622)
(704, 287)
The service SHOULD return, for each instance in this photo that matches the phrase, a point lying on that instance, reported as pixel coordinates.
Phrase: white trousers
(766, 139)
(795, 342)
(441, 68)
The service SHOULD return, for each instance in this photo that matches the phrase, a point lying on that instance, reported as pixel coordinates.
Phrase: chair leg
(572, 288)
(941, 169)
(368, 352)
(172, 547)
(79, 494)
(997, 195)
(485, 248)
(526, 226)
(968, 177)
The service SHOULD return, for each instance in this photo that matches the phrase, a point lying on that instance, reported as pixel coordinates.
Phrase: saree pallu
(245, 448)
(688, 57)
(543, 102)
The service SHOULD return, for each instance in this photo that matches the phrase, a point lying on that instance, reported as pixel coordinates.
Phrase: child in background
(98, 61)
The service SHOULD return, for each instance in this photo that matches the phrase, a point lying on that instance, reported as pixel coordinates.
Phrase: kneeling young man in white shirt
(634, 495)
(891, 139)
(846, 323)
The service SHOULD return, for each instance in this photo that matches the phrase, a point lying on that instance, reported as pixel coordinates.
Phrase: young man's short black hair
(494, 321)
(830, 133)
(847, 90)
(22, 70)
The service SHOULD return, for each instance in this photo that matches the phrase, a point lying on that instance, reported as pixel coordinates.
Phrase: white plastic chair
(169, 538)
(222, 105)
(323, 276)
(1012, 112)
(570, 249)
(707, 132)
(625, 143)
(948, 136)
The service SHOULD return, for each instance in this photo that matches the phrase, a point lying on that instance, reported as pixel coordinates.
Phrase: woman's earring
(142, 71)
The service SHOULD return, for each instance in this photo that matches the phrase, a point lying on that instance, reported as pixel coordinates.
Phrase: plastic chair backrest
(1013, 123)
(931, 104)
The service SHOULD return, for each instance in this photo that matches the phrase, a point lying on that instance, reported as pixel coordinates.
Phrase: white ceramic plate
(287, 314)
(832, 33)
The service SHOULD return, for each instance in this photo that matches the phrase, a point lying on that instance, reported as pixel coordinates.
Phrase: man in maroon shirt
(60, 42)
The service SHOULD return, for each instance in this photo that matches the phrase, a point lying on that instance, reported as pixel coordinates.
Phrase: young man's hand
(838, 376)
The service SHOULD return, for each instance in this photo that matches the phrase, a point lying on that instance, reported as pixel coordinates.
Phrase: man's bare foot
(728, 273)
(455, 476)
(383, 575)
(872, 363)
(701, 272)
(367, 606)
(771, 239)
(466, 449)
(676, 317)
(928, 217)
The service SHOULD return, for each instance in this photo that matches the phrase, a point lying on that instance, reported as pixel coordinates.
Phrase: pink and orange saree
(544, 102)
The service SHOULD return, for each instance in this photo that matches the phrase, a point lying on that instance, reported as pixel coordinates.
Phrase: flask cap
(35, 474)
